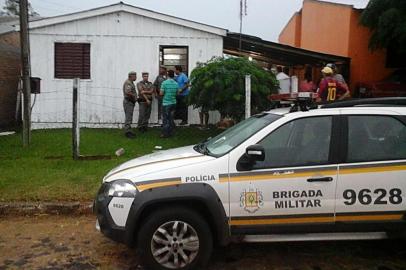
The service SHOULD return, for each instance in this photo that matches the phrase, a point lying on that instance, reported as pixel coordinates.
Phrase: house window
(72, 60)
(171, 56)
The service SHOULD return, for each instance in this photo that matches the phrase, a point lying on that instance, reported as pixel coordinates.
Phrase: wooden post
(75, 121)
(25, 63)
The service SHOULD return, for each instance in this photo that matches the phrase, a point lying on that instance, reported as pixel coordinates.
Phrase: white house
(101, 46)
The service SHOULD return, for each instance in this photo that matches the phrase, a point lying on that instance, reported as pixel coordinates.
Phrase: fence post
(247, 96)
(75, 121)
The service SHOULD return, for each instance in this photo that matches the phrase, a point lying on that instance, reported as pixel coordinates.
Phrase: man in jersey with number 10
(330, 89)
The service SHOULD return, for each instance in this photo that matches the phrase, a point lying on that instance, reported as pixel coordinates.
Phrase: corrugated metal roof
(4, 19)
(279, 53)
(11, 23)
(7, 24)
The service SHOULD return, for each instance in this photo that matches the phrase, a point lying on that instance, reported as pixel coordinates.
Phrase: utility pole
(25, 65)
(243, 11)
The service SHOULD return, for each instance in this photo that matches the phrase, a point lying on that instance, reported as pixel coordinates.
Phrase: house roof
(278, 53)
(126, 8)
(7, 24)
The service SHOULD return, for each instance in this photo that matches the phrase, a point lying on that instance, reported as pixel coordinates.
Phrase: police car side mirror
(252, 154)
(255, 152)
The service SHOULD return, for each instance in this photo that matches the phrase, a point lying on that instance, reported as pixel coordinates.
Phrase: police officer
(157, 85)
(130, 97)
(145, 93)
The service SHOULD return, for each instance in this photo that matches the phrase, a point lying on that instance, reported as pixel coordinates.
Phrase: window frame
(73, 42)
(345, 138)
(334, 147)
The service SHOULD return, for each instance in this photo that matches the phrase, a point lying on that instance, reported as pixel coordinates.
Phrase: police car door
(294, 186)
(372, 179)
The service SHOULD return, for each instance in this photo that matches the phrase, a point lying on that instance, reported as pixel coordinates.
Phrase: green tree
(387, 20)
(12, 8)
(219, 85)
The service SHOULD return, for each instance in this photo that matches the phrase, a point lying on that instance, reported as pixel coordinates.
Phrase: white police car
(337, 172)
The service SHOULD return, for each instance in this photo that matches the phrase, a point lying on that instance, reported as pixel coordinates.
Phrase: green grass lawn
(46, 171)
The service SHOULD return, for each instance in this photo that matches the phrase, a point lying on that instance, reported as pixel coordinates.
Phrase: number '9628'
(364, 196)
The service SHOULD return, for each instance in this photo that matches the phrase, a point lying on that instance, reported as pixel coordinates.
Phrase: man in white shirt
(284, 81)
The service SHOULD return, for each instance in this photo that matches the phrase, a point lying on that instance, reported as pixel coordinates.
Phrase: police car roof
(369, 102)
(397, 104)
(279, 111)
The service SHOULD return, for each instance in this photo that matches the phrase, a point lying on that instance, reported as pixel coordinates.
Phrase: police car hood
(158, 161)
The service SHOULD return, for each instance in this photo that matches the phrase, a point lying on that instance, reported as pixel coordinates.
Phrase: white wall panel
(120, 42)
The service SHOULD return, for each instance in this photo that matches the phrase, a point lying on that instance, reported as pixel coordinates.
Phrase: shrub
(219, 85)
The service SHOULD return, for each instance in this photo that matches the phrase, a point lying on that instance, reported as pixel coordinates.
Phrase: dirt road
(55, 242)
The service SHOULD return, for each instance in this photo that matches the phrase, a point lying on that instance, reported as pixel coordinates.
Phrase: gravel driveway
(62, 242)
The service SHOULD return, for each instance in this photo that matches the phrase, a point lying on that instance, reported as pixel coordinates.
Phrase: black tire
(165, 216)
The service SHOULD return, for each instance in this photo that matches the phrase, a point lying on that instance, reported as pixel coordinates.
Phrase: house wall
(120, 42)
(365, 65)
(325, 27)
(334, 29)
(9, 76)
(291, 34)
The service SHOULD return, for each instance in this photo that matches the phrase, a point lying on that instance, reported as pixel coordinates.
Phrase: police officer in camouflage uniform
(157, 85)
(130, 97)
(145, 94)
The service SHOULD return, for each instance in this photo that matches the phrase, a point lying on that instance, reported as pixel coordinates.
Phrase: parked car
(336, 172)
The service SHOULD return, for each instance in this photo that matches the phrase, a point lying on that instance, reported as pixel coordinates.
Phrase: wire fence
(102, 107)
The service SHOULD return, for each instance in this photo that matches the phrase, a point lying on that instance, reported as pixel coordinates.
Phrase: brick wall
(9, 75)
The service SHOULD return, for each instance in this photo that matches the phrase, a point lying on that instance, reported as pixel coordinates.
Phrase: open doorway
(171, 56)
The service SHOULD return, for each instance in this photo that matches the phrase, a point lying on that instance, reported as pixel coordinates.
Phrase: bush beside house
(219, 85)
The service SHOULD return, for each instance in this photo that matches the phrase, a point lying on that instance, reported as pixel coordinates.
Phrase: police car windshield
(234, 136)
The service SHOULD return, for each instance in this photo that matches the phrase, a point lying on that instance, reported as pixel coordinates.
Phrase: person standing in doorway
(181, 103)
(157, 86)
(145, 93)
(130, 97)
(169, 91)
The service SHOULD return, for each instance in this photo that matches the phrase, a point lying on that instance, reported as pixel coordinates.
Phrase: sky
(265, 19)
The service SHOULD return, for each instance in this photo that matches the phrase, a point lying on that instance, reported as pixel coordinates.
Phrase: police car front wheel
(174, 238)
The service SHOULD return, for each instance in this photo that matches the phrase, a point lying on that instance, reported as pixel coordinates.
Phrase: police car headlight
(122, 188)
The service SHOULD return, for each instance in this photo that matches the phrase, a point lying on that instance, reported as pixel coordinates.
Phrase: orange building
(334, 29)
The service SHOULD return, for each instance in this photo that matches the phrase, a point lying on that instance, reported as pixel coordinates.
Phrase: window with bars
(171, 56)
(72, 60)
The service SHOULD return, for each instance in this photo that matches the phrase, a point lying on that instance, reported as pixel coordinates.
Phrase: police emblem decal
(251, 200)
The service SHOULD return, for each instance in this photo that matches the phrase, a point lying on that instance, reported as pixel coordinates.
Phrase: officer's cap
(145, 73)
(132, 73)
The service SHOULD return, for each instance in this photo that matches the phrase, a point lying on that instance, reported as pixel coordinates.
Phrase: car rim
(175, 244)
